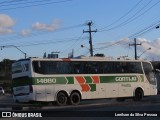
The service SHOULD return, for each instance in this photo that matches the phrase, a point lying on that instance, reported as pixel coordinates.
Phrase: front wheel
(61, 99)
(75, 98)
(138, 95)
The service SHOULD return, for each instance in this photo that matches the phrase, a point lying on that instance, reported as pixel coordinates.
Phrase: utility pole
(135, 47)
(90, 36)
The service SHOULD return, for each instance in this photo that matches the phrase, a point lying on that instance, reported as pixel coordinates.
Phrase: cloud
(48, 27)
(25, 32)
(4, 30)
(154, 53)
(6, 24)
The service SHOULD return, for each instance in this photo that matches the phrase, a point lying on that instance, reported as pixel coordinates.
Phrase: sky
(38, 26)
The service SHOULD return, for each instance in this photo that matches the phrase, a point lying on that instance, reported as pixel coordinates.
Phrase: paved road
(149, 104)
(97, 109)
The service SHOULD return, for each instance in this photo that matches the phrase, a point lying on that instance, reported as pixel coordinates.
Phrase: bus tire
(138, 94)
(75, 98)
(61, 99)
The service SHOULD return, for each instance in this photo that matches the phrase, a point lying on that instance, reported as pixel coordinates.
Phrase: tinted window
(17, 68)
(20, 67)
(86, 67)
(148, 72)
(122, 67)
(147, 67)
(49, 67)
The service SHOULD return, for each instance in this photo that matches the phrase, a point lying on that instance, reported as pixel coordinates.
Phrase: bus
(68, 81)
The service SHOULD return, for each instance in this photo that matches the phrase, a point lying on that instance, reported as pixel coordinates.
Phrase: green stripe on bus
(111, 79)
(70, 80)
(88, 79)
(93, 87)
(49, 80)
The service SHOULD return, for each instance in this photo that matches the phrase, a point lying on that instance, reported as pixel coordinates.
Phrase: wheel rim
(62, 99)
(138, 95)
(75, 99)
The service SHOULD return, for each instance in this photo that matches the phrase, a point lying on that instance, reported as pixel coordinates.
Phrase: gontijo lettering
(126, 79)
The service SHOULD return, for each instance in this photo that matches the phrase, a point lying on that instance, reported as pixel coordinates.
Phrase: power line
(74, 44)
(35, 5)
(123, 15)
(142, 13)
(130, 19)
(51, 42)
(112, 44)
(146, 29)
(4, 2)
(40, 33)
(22, 2)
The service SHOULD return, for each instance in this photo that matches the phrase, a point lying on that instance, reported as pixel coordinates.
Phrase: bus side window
(76, 68)
(90, 68)
(135, 67)
(124, 67)
(118, 67)
(36, 66)
(86, 68)
(108, 67)
(94, 68)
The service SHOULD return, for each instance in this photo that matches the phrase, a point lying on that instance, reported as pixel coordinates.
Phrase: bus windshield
(20, 67)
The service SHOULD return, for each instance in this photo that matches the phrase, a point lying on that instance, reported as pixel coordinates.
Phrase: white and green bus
(68, 81)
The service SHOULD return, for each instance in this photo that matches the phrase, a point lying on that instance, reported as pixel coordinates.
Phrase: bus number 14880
(46, 80)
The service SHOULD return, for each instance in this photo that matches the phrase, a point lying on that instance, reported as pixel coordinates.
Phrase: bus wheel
(138, 95)
(61, 99)
(75, 98)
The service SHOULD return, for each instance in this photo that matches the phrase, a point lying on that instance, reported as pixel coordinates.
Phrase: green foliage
(6, 74)
(99, 55)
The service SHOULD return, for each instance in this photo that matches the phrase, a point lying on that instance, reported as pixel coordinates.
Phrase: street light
(144, 52)
(16, 48)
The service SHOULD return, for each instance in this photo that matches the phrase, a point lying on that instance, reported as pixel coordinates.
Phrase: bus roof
(81, 59)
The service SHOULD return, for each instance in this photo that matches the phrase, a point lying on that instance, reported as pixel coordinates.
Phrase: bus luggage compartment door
(40, 93)
(49, 93)
(44, 93)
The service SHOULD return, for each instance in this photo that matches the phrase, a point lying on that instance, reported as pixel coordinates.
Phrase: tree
(99, 55)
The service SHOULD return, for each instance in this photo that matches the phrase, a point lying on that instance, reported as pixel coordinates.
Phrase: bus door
(150, 75)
